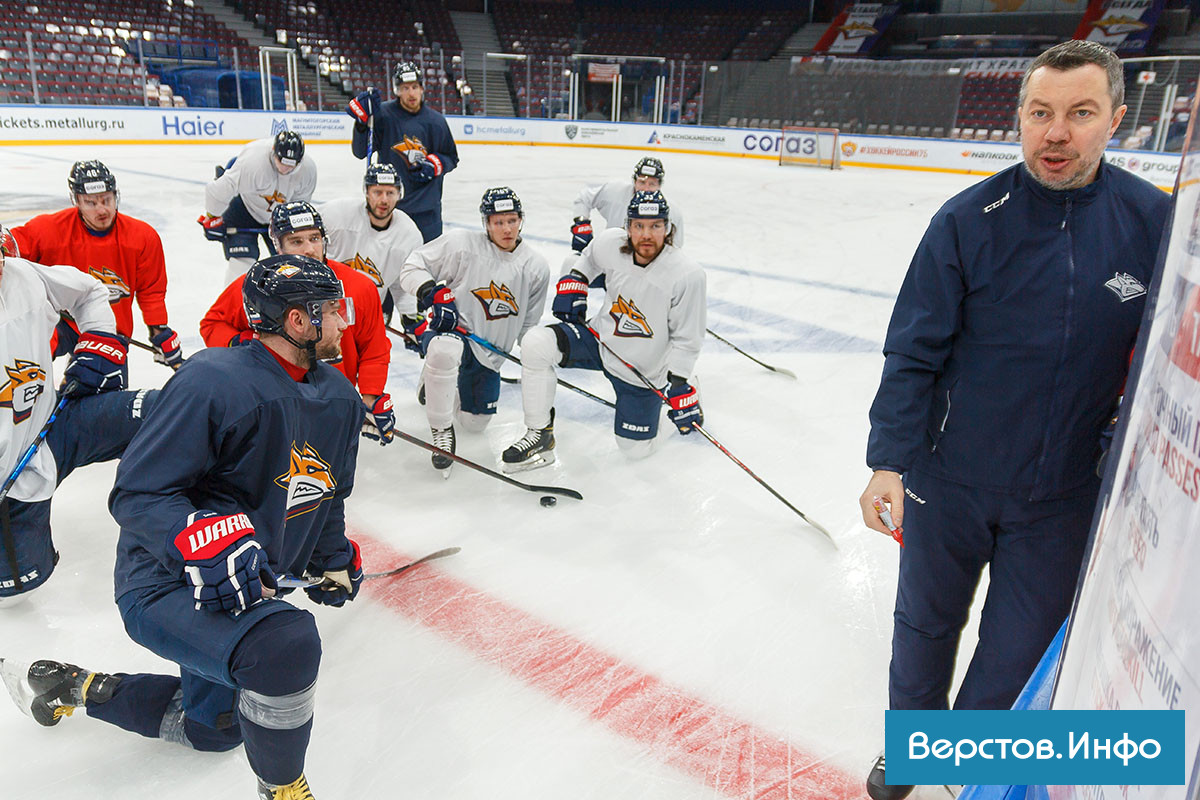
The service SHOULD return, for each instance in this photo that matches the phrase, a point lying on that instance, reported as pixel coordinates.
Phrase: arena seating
(85, 52)
(364, 40)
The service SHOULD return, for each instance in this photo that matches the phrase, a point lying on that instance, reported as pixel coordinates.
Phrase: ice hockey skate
(296, 790)
(877, 786)
(443, 439)
(50, 690)
(535, 449)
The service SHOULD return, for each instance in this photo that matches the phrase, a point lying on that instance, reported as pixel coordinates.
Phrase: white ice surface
(680, 566)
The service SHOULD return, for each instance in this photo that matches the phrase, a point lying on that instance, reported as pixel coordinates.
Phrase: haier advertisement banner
(1134, 638)
(856, 29)
(1122, 25)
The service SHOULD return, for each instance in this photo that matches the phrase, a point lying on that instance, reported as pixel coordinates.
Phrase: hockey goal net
(810, 147)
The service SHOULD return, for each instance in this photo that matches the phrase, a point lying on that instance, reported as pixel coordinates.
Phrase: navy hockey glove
(570, 299)
(439, 299)
(413, 327)
(685, 405)
(98, 365)
(166, 347)
(427, 168)
(214, 227)
(222, 562)
(343, 576)
(380, 420)
(581, 234)
(365, 105)
(245, 337)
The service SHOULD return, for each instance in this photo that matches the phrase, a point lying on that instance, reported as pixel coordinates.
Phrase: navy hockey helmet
(294, 216)
(289, 148)
(278, 283)
(90, 177)
(383, 175)
(649, 167)
(648, 205)
(406, 72)
(500, 200)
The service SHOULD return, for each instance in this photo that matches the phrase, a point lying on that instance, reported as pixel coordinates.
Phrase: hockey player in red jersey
(123, 253)
(297, 229)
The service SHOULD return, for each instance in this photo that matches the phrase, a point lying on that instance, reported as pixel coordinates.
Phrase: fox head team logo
(118, 289)
(308, 480)
(497, 301)
(409, 143)
(26, 381)
(273, 199)
(367, 267)
(629, 321)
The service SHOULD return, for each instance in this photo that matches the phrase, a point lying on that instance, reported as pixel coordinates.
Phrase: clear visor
(342, 307)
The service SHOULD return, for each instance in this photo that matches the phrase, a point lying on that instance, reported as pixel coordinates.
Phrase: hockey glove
(166, 347)
(570, 299)
(214, 227)
(439, 300)
(365, 105)
(245, 337)
(380, 420)
(413, 327)
(685, 405)
(428, 168)
(98, 364)
(222, 562)
(343, 576)
(581, 234)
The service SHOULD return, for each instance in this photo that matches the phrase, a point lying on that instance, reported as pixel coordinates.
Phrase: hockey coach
(1005, 358)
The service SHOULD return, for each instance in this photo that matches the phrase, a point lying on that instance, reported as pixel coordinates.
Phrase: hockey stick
(410, 340)
(152, 349)
(370, 138)
(780, 370)
(292, 582)
(710, 437)
(10, 546)
(64, 396)
(484, 343)
(529, 487)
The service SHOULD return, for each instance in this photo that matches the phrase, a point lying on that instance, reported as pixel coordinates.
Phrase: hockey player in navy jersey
(411, 136)
(653, 318)
(500, 281)
(95, 425)
(240, 475)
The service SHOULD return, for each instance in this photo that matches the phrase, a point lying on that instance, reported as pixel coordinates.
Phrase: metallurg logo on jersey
(497, 301)
(367, 267)
(26, 381)
(116, 285)
(308, 480)
(273, 199)
(628, 320)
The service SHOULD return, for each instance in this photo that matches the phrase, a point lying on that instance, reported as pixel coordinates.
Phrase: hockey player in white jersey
(653, 317)
(95, 424)
(375, 237)
(238, 203)
(502, 283)
(612, 199)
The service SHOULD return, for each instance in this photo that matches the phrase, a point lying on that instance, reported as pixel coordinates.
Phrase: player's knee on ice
(443, 355)
(635, 449)
(474, 423)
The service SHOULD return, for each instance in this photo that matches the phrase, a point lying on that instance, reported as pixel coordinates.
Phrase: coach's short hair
(1078, 53)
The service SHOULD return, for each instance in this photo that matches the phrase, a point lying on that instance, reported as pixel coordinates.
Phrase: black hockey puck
(549, 500)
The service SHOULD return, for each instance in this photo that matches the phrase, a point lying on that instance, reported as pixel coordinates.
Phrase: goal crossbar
(810, 147)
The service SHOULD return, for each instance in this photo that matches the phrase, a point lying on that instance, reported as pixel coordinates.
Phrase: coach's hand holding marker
(882, 504)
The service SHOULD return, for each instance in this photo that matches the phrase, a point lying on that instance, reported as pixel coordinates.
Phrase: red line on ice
(734, 757)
